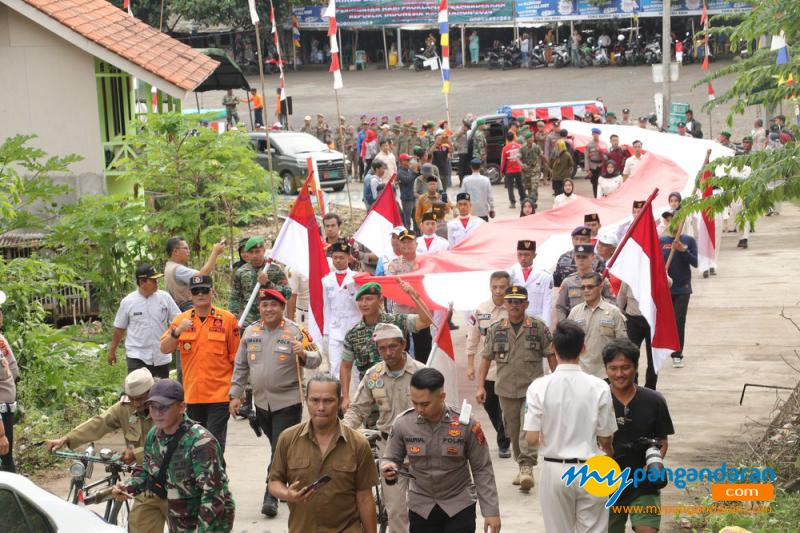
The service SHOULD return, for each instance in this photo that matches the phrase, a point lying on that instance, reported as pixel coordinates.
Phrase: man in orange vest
(258, 108)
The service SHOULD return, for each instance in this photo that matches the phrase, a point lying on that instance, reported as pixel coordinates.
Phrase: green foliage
(782, 517)
(29, 280)
(200, 184)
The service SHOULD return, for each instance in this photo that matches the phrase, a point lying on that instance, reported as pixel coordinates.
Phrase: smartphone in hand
(318, 483)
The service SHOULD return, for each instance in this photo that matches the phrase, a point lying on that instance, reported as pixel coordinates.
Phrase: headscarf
(522, 206)
(565, 188)
(613, 173)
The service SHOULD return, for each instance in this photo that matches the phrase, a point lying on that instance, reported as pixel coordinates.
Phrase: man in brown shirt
(324, 446)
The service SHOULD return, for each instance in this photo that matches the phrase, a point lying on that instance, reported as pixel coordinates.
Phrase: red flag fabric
(443, 359)
(375, 231)
(706, 232)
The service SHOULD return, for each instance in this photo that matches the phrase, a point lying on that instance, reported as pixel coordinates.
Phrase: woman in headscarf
(370, 148)
(567, 195)
(527, 207)
(610, 180)
(561, 166)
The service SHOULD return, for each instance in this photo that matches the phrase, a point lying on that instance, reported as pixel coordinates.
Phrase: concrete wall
(47, 88)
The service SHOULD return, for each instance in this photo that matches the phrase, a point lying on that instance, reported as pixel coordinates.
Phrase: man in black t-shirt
(640, 412)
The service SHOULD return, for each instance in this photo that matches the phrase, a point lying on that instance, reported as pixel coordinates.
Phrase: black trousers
(514, 179)
(492, 407)
(438, 521)
(258, 117)
(680, 303)
(422, 344)
(638, 331)
(213, 417)
(463, 167)
(7, 460)
(274, 422)
(160, 371)
(594, 175)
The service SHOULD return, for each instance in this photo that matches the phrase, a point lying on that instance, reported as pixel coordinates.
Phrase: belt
(564, 461)
(8, 407)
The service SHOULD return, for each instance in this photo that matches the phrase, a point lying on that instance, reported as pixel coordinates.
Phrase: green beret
(528, 135)
(520, 119)
(431, 124)
(611, 114)
(725, 134)
(369, 288)
(252, 242)
(747, 138)
(480, 122)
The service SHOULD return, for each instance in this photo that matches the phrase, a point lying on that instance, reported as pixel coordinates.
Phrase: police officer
(270, 354)
(531, 157)
(130, 416)
(594, 159)
(518, 345)
(339, 304)
(566, 262)
(246, 277)
(446, 454)
(571, 294)
(182, 465)
(386, 387)
(479, 143)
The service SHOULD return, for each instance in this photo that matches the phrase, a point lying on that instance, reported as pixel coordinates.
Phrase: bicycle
(373, 437)
(81, 469)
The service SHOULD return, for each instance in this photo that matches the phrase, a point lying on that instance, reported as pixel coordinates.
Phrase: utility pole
(666, 59)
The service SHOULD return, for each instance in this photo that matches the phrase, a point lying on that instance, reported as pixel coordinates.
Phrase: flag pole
(627, 236)
(344, 154)
(679, 229)
(269, 146)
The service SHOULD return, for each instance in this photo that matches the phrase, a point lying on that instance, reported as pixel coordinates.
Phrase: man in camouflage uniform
(131, 417)
(321, 130)
(194, 484)
(246, 277)
(397, 132)
(531, 158)
(566, 262)
(479, 143)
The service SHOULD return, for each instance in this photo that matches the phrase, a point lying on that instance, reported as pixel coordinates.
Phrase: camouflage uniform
(321, 131)
(197, 485)
(308, 128)
(566, 266)
(479, 147)
(359, 346)
(242, 285)
(530, 155)
(397, 132)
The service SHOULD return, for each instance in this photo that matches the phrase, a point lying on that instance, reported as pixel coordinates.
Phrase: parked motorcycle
(618, 52)
(652, 52)
(537, 59)
(420, 59)
(688, 49)
(512, 57)
(494, 58)
(561, 55)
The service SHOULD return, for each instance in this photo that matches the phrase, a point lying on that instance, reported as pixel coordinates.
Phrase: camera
(654, 461)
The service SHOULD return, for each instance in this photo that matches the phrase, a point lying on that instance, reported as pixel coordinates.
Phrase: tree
(763, 178)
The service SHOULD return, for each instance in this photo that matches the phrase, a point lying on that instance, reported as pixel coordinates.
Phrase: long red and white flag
(336, 68)
(706, 230)
(443, 359)
(375, 231)
(640, 264)
(278, 50)
(299, 247)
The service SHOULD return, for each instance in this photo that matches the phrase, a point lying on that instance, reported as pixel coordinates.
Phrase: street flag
(779, 44)
(640, 263)
(253, 13)
(299, 247)
(295, 31)
(711, 95)
(444, 35)
(443, 359)
(704, 23)
(278, 49)
(375, 231)
(336, 69)
(706, 231)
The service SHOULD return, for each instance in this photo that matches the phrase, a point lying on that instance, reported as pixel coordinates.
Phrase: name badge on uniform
(574, 292)
(187, 346)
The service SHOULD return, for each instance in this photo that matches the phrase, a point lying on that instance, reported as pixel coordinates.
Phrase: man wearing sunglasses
(570, 293)
(600, 320)
(208, 338)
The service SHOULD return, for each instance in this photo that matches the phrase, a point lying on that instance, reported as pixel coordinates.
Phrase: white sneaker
(677, 362)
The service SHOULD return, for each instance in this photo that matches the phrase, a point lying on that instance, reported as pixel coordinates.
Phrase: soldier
(571, 294)
(183, 465)
(270, 354)
(459, 228)
(359, 349)
(307, 126)
(531, 157)
(539, 284)
(321, 130)
(245, 279)
(518, 345)
(397, 131)
(479, 143)
(386, 387)
(449, 460)
(594, 159)
(339, 304)
(566, 262)
(131, 417)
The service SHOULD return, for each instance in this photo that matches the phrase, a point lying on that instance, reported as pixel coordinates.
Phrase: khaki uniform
(149, 513)
(571, 294)
(519, 357)
(391, 395)
(601, 324)
(445, 458)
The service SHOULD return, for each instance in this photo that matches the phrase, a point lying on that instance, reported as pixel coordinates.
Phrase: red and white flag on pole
(336, 69)
(375, 231)
(639, 262)
(706, 231)
(443, 359)
(251, 5)
(278, 49)
(299, 247)
(711, 95)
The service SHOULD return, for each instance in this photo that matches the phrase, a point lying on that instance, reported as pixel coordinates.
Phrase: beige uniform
(601, 324)
(391, 395)
(484, 316)
(519, 358)
(571, 294)
(445, 458)
(149, 513)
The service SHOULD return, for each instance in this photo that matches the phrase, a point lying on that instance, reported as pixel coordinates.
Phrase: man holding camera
(270, 354)
(641, 440)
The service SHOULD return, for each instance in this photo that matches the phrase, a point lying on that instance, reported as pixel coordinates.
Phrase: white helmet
(620, 37)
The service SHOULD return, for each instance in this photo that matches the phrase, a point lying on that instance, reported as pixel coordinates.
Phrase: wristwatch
(172, 334)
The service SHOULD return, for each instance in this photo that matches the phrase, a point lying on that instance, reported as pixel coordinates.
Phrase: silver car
(290, 152)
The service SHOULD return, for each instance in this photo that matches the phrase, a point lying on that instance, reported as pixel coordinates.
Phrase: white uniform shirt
(606, 186)
(570, 409)
(340, 309)
(299, 285)
(145, 320)
(456, 232)
(630, 165)
(438, 244)
(562, 199)
(479, 188)
(540, 292)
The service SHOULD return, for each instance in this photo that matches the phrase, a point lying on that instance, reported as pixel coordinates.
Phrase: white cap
(138, 382)
(608, 237)
(307, 117)
(385, 331)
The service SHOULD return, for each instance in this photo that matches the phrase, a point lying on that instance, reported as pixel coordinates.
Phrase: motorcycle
(688, 50)
(494, 58)
(421, 58)
(561, 55)
(618, 52)
(600, 56)
(652, 52)
(537, 59)
(586, 53)
(512, 57)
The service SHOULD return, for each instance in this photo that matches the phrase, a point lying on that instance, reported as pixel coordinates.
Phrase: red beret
(271, 294)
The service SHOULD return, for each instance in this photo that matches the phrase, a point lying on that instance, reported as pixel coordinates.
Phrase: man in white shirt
(339, 305)
(631, 162)
(465, 223)
(144, 314)
(570, 416)
(539, 284)
(387, 157)
(479, 188)
(429, 242)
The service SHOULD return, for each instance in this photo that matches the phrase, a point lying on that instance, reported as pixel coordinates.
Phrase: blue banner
(551, 10)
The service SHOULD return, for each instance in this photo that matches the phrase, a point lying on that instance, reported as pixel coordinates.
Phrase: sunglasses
(589, 287)
(200, 290)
